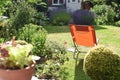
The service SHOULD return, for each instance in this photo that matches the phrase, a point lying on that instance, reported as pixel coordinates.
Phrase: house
(68, 5)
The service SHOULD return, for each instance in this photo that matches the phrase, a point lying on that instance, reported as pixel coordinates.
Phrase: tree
(98, 2)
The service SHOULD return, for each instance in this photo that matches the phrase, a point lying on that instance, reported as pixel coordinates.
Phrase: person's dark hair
(88, 3)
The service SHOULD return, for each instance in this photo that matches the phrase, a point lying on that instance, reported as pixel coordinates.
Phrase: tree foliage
(3, 5)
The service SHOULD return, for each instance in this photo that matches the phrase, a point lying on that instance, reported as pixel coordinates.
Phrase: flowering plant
(15, 54)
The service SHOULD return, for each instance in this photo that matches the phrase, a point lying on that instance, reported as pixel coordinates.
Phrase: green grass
(108, 36)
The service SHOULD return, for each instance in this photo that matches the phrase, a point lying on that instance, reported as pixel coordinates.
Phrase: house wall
(69, 6)
(55, 8)
(73, 5)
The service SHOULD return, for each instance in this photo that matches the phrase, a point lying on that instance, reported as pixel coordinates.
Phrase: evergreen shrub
(101, 63)
(61, 18)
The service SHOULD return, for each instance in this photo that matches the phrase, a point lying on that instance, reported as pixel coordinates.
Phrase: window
(55, 1)
(58, 2)
(73, 0)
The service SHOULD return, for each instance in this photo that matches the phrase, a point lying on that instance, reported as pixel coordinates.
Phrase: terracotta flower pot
(23, 74)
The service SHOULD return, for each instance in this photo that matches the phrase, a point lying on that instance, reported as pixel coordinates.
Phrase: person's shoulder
(77, 10)
(80, 10)
(91, 12)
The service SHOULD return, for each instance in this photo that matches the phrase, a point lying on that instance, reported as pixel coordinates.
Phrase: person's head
(87, 5)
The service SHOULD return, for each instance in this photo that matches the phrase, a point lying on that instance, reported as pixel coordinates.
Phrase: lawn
(108, 36)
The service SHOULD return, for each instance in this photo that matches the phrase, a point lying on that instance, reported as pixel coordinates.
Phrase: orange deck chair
(83, 35)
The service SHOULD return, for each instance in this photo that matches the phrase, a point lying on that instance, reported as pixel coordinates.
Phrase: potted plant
(16, 60)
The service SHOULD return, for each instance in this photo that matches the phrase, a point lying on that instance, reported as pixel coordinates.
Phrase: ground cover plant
(51, 66)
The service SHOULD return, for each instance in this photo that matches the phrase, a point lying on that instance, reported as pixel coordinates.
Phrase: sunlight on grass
(108, 36)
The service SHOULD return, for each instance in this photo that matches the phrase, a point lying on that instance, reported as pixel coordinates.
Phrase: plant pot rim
(20, 74)
(26, 68)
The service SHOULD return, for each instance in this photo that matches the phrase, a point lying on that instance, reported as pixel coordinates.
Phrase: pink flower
(65, 42)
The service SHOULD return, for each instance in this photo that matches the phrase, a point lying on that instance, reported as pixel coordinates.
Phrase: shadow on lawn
(99, 27)
(64, 29)
(79, 73)
(57, 29)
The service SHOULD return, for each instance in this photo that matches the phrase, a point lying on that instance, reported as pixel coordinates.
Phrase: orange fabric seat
(83, 35)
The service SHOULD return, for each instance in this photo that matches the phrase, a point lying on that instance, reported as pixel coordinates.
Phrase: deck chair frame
(83, 35)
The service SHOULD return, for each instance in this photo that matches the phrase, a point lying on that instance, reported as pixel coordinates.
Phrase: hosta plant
(15, 55)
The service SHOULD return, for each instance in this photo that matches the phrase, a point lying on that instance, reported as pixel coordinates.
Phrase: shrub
(21, 13)
(83, 17)
(3, 28)
(41, 18)
(96, 2)
(1, 40)
(117, 23)
(109, 2)
(4, 6)
(49, 70)
(52, 67)
(36, 35)
(61, 18)
(104, 14)
(55, 51)
(117, 10)
(101, 64)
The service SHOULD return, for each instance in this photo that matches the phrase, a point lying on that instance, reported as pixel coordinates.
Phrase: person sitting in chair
(84, 16)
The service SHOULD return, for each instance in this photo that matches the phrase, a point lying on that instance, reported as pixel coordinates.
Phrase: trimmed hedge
(101, 64)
